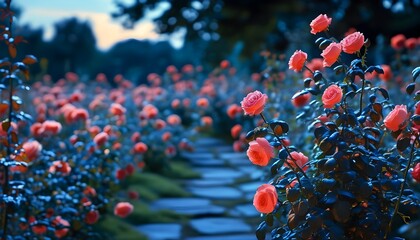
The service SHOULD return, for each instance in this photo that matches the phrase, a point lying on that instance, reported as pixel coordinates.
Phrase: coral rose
(206, 121)
(353, 42)
(387, 75)
(397, 118)
(331, 54)
(398, 41)
(410, 43)
(173, 119)
(253, 103)
(235, 131)
(265, 199)
(123, 209)
(60, 166)
(299, 159)
(62, 230)
(92, 217)
(101, 138)
(32, 149)
(140, 148)
(297, 60)
(202, 102)
(331, 96)
(320, 23)
(300, 100)
(260, 152)
(416, 172)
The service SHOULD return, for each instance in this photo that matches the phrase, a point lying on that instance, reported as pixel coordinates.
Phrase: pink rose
(397, 118)
(123, 209)
(253, 103)
(298, 160)
(416, 172)
(320, 23)
(300, 100)
(332, 96)
(297, 60)
(353, 42)
(265, 199)
(331, 54)
(260, 152)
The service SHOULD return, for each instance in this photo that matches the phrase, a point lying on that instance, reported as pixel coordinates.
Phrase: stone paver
(209, 182)
(188, 206)
(213, 226)
(216, 192)
(226, 237)
(214, 215)
(214, 172)
(167, 231)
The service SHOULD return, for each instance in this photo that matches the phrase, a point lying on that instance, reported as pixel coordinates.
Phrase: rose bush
(355, 182)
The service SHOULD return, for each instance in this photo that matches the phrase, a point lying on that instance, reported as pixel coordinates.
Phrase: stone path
(221, 206)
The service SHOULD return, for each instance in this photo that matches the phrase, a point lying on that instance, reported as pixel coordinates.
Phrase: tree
(72, 48)
(263, 24)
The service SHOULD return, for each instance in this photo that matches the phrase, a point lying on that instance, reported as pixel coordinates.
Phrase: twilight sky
(44, 13)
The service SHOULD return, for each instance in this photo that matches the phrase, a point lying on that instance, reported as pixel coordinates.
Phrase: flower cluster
(351, 180)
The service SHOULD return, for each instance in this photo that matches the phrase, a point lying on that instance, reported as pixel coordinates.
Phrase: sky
(44, 13)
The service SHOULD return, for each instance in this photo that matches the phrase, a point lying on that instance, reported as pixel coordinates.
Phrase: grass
(143, 215)
(114, 228)
(154, 186)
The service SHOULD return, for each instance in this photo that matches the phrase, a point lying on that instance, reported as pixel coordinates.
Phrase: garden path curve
(220, 206)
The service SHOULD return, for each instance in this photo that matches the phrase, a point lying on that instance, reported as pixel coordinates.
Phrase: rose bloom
(175, 103)
(39, 229)
(149, 111)
(331, 54)
(320, 23)
(140, 148)
(297, 60)
(202, 102)
(235, 131)
(353, 42)
(206, 121)
(51, 127)
(397, 118)
(331, 96)
(398, 41)
(166, 136)
(410, 43)
(101, 138)
(62, 230)
(60, 166)
(123, 209)
(117, 109)
(298, 160)
(265, 199)
(233, 110)
(300, 101)
(260, 152)
(173, 119)
(92, 217)
(238, 146)
(314, 64)
(135, 137)
(32, 149)
(79, 114)
(387, 75)
(416, 172)
(253, 103)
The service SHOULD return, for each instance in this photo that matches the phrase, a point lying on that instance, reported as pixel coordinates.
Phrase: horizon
(107, 31)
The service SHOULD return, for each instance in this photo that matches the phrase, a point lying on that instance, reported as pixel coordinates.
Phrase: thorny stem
(287, 151)
(397, 204)
(9, 150)
(361, 96)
